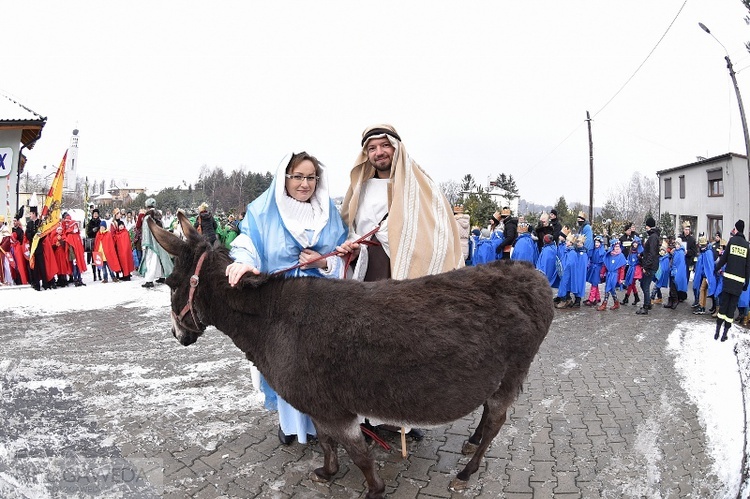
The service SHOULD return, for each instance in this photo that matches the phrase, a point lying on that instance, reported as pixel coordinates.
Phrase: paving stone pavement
(602, 414)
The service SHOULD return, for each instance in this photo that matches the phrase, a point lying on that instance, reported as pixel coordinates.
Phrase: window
(668, 188)
(715, 224)
(682, 186)
(715, 183)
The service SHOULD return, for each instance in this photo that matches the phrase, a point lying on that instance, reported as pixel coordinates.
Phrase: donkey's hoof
(458, 485)
(468, 448)
(320, 476)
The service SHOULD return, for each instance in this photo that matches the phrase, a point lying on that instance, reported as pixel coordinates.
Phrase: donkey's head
(189, 256)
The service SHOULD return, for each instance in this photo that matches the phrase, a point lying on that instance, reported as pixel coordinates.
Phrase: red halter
(194, 280)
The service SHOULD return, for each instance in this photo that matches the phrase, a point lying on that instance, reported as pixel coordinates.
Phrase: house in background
(711, 194)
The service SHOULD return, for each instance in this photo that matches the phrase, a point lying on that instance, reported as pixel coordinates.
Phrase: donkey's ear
(171, 243)
(187, 227)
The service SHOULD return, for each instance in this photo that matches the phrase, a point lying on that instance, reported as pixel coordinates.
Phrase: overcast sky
(159, 89)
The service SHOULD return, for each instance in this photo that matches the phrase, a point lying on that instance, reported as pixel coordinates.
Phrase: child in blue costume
(574, 272)
(525, 247)
(614, 262)
(593, 274)
(547, 263)
(662, 275)
(294, 221)
(634, 271)
(704, 280)
(678, 283)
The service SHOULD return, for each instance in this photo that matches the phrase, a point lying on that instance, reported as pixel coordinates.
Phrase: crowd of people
(574, 260)
(115, 248)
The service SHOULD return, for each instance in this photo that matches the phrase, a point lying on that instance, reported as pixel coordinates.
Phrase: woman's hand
(236, 270)
(306, 258)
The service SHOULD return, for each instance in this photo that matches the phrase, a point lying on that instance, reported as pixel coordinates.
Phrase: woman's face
(302, 190)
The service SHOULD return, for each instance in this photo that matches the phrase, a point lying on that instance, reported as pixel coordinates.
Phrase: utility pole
(591, 172)
(742, 115)
(739, 98)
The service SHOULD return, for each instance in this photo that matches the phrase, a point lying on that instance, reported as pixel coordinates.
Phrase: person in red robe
(75, 249)
(50, 262)
(60, 248)
(123, 246)
(105, 246)
(21, 271)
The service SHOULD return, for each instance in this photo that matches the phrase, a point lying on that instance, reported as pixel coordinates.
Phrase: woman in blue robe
(293, 222)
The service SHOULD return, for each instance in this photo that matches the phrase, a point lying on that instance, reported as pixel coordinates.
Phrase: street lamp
(732, 74)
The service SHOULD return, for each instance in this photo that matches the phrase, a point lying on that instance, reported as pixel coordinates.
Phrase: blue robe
(588, 244)
(677, 270)
(633, 262)
(704, 268)
(744, 299)
(662, 275)
(547, 264)
(276, 248)
(485, 251)
(574, 273)
(596, 260)
(525, 248)
(613, 264)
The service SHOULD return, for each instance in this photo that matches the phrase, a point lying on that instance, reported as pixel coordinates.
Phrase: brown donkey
(419, 352)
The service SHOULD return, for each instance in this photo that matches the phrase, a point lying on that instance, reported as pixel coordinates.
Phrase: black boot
(626, 299)
(285, 439)
(637, 299)
(669, 303)
(718, 328)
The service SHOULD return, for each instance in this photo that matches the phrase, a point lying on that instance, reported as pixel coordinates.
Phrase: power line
(644, 60)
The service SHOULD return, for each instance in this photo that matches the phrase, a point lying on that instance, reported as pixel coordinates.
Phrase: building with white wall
(712, 193)
(20, 128)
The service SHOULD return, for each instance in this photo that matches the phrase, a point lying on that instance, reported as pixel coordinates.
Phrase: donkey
(418, 352)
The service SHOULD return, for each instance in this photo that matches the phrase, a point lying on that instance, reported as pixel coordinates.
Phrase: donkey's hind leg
(330, 457)
(350, 436)
(493, 418)
(470, 446)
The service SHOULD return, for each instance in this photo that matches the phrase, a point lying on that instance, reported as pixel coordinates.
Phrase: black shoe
(699, 311)
(161, 280)
(416, 434)
(642, 311)
(637, 299)
(147, 285)
(625, 300)
(712, 310)
(724, 336)
(285, 439)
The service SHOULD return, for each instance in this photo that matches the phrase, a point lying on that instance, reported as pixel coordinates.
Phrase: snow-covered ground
(715, 376)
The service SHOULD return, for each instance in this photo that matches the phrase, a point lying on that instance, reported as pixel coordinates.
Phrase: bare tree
(452, 191)
(631, 202)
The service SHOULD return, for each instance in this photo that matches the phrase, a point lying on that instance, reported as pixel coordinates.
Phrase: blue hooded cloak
(677, 271)
(704, 267)
(596, 260)
(613, 264)
(547, 264)
(525, 248)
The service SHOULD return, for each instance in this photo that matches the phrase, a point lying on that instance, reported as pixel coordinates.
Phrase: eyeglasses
(300, 178)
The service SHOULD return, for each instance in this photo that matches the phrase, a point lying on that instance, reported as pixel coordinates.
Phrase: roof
(705, 161)
(13, 114)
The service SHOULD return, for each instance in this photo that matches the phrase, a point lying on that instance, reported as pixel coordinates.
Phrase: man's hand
(348, 247)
